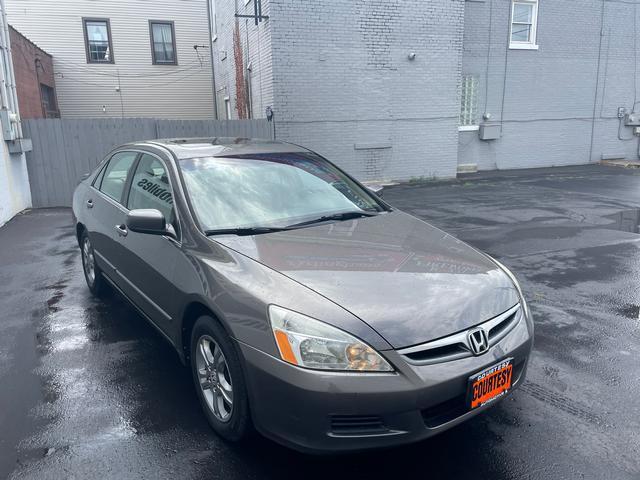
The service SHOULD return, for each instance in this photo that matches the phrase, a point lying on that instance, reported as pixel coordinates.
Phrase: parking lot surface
(89, 390)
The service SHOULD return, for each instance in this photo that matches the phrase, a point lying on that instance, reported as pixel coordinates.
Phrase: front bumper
(323, 412)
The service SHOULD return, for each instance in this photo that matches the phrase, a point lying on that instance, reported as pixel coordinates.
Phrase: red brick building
(35, 80)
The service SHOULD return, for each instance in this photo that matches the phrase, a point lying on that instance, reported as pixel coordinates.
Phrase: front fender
(238, 291)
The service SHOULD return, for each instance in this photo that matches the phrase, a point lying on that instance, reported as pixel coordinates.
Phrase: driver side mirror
(150, 221)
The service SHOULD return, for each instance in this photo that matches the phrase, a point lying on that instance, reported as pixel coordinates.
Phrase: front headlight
(512, 277)
(310, 343)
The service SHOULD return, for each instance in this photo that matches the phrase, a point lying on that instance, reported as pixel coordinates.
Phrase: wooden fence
(66, 149)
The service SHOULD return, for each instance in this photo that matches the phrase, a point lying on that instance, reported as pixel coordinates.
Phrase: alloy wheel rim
(89, 261)
(214, 378)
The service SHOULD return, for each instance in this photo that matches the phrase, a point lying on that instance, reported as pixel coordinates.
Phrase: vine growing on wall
(241, 85)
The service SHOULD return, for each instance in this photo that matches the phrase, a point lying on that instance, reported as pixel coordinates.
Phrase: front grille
(456, 346)
(440, 354)
(498, 331)
(357, 425)
(457, 406)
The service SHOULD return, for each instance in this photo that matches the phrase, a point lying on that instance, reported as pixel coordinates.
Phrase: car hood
(408, 280)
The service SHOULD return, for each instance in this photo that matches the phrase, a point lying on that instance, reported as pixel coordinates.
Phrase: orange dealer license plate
(490, 384)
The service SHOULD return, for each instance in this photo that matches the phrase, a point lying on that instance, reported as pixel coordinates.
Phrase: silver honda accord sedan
(306, 307)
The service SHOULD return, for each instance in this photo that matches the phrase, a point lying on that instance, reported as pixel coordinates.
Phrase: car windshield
(270, 190)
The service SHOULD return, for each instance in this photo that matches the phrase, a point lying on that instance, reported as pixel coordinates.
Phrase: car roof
(184, 148)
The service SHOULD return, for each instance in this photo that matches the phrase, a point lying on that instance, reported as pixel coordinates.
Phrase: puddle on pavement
(54, 300)
(629, 311)
(625, 221)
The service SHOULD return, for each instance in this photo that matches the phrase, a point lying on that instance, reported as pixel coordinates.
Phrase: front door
(147, 263)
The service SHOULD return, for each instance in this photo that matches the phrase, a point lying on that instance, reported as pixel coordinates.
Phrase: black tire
(237, 426)
(95, 282)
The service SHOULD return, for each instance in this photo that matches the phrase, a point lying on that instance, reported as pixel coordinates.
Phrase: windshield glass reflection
(275, 189)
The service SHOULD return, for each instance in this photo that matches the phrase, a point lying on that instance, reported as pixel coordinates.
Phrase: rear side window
(150, 187)
(115, 175)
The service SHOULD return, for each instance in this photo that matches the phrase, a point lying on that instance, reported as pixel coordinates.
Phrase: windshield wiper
(335, 216)
(260, 230)
(244, 231)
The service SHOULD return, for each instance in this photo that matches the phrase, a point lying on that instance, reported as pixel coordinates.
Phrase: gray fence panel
(66, 149)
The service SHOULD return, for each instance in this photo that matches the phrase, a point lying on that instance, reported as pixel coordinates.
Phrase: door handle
(89, 203)
(122, 230)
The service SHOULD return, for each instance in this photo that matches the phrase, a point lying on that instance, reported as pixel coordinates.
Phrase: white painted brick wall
(549, 93)
(337, 75)
(341, 77)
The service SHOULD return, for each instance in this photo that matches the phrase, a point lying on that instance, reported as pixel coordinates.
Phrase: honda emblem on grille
(478, 341)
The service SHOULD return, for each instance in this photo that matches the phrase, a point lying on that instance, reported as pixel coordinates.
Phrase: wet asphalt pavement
(89, 390)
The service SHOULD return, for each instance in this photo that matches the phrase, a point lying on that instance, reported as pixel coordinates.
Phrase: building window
(163, 43)
(97, 40)
(524, 19)
(469, 103)
(49, 105)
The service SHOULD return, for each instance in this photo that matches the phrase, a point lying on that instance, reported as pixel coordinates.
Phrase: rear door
(105, 209)
(147, 263)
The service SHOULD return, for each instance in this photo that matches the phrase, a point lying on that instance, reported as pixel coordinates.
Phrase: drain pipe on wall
(9, 81)
(595, 95)
(211, 19)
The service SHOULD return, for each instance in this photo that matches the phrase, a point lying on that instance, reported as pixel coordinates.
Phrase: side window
(115, 175)
(150, 187)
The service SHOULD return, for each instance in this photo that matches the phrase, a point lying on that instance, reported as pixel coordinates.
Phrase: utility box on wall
(20, 145)
(489, 131)
(632, 119)
(8, 120)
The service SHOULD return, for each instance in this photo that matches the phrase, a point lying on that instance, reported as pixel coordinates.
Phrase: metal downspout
(213, 73)
(12, 94)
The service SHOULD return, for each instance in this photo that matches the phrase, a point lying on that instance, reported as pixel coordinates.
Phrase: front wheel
(219, 380)
(92, 273)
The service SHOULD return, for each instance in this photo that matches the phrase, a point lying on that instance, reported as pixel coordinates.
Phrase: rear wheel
(219, 380)
(92, 272)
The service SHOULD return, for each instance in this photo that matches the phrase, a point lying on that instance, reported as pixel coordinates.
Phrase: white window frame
(532, 43)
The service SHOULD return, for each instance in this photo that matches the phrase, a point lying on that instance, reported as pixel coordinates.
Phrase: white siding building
(123, 58)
